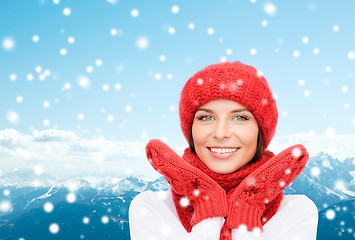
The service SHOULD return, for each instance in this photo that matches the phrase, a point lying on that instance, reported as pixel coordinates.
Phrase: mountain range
(99, 209)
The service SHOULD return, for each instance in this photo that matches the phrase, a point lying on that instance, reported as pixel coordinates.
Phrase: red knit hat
(230, 81)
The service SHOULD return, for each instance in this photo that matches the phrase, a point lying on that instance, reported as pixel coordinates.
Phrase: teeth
(223, 150)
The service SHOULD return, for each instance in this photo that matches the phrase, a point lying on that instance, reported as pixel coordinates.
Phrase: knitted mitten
(208, 198)
(247, 201)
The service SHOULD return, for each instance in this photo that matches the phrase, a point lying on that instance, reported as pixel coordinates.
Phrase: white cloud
(62, 153)
(54, 135)
(339, 146)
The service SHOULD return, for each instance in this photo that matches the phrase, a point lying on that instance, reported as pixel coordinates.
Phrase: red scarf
(227, 182)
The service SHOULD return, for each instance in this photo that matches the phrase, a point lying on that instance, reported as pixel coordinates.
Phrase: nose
(222, 130)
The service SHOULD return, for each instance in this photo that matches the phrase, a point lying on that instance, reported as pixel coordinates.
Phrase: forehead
(222, 105)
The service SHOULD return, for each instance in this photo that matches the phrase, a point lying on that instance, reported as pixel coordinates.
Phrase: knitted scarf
(227, 182)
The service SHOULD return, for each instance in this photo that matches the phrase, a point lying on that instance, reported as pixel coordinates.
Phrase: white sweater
(153, 216)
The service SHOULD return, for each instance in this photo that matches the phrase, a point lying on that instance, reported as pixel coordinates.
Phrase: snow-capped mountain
(326, 180)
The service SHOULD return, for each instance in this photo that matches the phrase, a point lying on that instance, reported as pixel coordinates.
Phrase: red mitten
(247, 202)
(209, 198)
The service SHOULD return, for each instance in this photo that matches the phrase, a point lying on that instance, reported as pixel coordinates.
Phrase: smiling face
(225, 135)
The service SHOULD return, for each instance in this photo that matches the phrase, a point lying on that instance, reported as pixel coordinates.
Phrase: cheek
(197, 135)
(249, 136)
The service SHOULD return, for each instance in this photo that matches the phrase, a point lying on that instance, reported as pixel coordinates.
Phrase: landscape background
(84, 85)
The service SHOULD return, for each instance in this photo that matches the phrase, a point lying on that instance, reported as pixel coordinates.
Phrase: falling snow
(184, 202)
(90, 81)
(270, 9)
(142, 43)
(48, 207)
(134, 13)
(330, 214)
(54, 228)
(105, 219)
(66, 11)
(35, 38)
(8, 44)
(71, 198)
(175, 9)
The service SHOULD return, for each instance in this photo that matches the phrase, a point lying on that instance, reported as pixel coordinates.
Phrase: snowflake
(13, 117)
(19, 99)
(35, 38)
(105, 219)
(5, 206)
(162, 58)
(84, 81)
(296, 152)
(29, 77)
(296, 54)
(330, 214)
(315, 171)
(175, 9)
(8, 44)
(128, 108)
(142, 43)
(6, 192)
(71, 40)
(113, 32)
(270, 9)
(66, 11)
(184, 202)
(38, 170)
(301, 82)
(71, 198)
(48, 207)
(307, 93)
(54, 228)
(253, 51)
(335, 28)
(191, 26)
(46, 104)
(63, 52)
(134, 13)
(89, 69)
(210, 31)
(81, 116)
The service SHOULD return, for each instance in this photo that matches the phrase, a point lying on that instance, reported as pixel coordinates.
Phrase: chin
(224, 169)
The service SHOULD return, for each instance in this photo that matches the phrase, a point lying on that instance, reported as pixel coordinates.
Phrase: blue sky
(113, 70)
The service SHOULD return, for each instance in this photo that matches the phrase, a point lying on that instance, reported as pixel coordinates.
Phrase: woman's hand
(208, 198)
(247, 201)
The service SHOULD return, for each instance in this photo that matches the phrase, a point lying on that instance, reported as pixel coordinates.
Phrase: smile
(223, 150)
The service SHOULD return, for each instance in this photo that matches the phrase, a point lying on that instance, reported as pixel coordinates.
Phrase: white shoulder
(154, 200)
(300, 204)
(296, 218)
(153, 215)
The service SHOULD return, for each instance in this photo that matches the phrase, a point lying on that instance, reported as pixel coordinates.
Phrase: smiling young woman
(227, 185)
(225, 135)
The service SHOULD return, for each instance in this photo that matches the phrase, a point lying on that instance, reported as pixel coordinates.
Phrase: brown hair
(258, 152)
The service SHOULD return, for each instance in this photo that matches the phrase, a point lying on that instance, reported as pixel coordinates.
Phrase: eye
(241, 118)
(205, 118)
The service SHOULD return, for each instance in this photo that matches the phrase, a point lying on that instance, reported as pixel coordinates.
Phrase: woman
(226, 185)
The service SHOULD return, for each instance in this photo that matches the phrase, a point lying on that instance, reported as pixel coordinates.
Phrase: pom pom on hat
(230, 81)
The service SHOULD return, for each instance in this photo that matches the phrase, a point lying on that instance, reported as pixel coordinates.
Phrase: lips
(222, 152)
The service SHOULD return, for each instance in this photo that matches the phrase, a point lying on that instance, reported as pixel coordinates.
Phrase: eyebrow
(234, 111)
